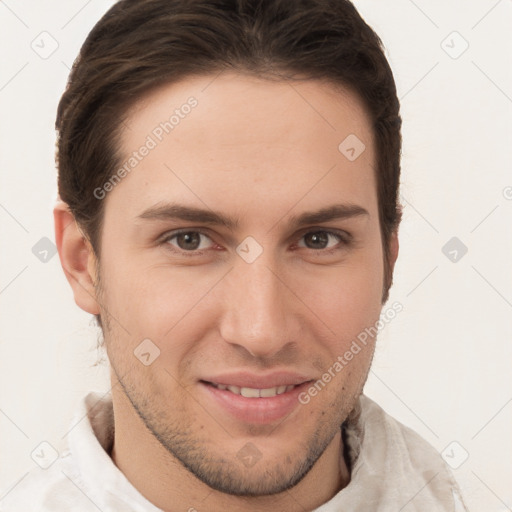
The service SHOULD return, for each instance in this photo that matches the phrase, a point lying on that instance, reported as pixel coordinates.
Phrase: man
(228, 175)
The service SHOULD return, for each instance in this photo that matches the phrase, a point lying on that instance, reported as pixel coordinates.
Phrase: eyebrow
(334, 212)
(173, 211)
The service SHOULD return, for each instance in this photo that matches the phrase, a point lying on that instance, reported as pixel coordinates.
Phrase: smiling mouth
(253, 392)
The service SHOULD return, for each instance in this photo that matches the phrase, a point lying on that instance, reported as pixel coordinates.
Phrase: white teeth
(250, 392)
(255, 393)
(266, 393)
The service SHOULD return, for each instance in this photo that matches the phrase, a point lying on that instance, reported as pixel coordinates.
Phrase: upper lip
(258, 381)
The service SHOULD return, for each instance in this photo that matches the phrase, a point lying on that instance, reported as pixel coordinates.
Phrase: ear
(393, 249)
(389, 264)
(76, 257)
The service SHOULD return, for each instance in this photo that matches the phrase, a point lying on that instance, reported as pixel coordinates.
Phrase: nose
(258, 313)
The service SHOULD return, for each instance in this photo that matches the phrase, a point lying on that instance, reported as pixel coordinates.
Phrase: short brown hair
(139, 45)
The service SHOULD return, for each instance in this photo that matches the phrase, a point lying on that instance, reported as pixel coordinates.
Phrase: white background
(443, 365)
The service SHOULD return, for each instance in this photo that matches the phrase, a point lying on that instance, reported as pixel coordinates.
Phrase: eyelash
(343, 238)
(174, 234)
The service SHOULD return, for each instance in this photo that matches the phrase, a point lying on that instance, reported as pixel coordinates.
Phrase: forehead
(224, 140)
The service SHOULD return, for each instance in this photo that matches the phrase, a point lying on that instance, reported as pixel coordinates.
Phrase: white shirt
(393, 469)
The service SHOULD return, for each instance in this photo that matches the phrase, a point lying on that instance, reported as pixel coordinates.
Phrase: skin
(262, 153)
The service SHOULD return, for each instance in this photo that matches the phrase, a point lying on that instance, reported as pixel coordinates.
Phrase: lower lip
(256, 410)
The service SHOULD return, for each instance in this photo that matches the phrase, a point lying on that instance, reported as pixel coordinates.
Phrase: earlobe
(76, 257)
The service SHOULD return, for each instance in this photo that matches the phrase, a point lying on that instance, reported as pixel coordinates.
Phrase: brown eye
(321, 240)
(188, 240)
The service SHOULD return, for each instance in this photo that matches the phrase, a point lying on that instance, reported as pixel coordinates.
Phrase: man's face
(267, 300)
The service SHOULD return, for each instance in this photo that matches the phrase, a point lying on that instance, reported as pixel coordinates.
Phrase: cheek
(347, 298)
(156, 302)
(159, 302)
